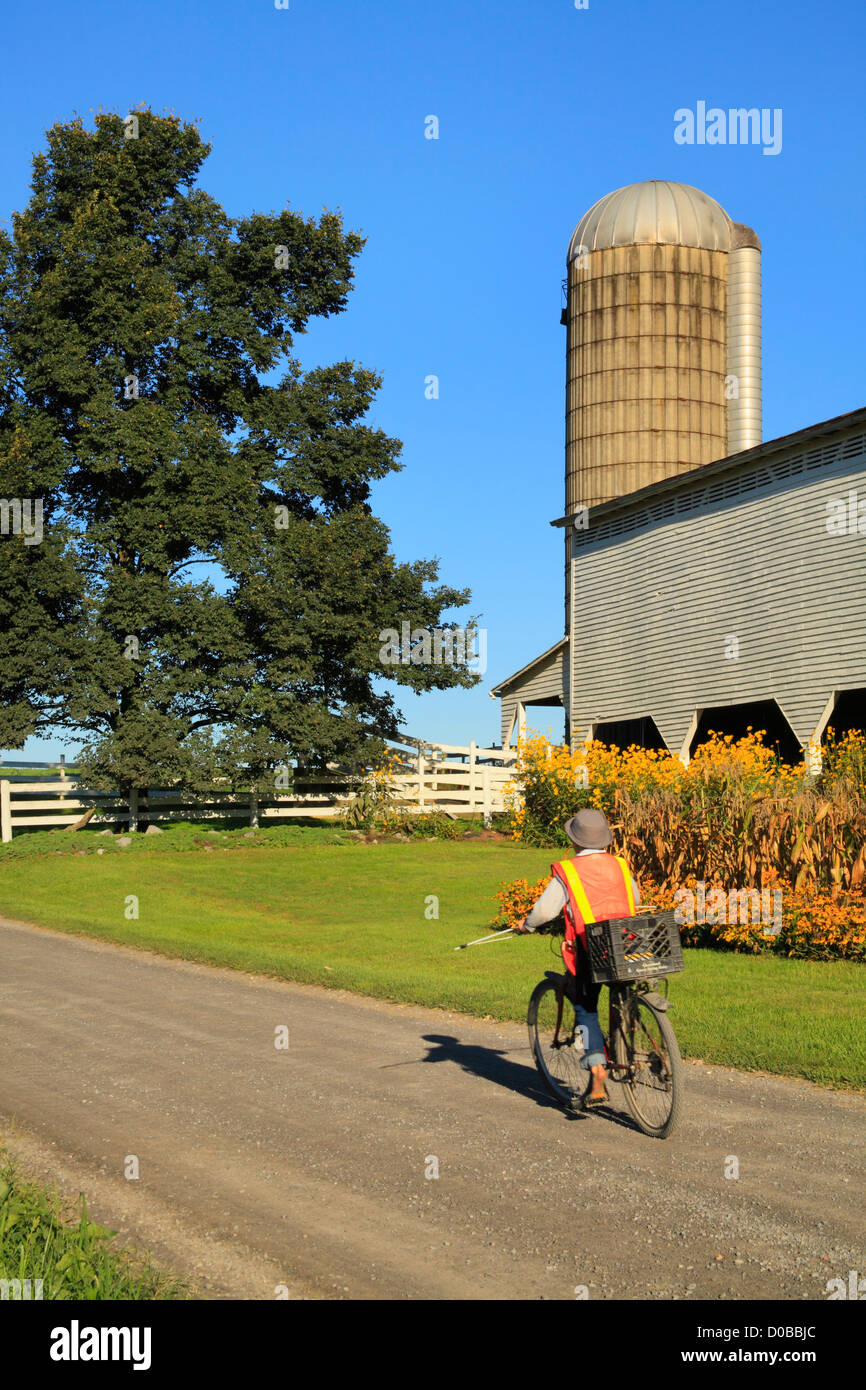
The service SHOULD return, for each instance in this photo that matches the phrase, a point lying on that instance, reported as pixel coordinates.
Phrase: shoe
(592, 1102)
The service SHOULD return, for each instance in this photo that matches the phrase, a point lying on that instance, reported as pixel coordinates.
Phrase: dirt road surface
(312, 1166)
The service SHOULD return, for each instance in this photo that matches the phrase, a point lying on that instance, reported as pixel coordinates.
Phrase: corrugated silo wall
(748, 557)
(646, 362)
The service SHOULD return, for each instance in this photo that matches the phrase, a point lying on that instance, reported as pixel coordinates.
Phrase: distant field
(316, 906)
(30, 774)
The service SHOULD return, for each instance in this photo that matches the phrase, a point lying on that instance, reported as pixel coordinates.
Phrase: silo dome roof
(654, 212)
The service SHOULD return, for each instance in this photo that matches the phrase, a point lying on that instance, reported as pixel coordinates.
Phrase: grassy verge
(332, 911)
(72, 1257)
(176, 838)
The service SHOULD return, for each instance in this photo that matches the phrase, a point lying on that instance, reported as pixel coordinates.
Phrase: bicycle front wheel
(554, 1051)
(649, 1065)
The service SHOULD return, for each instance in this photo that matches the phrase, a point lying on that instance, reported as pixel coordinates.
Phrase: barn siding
(542, 683)
(653, 607)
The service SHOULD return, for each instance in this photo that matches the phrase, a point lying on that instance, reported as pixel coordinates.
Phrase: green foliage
(177, 837)
(551, 797)
(434, 825)
(138, 322)
(443, 827)
(844, 764)
(73, 1258)
(372, 801)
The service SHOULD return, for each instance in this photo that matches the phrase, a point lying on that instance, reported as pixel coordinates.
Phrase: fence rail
(457, 779)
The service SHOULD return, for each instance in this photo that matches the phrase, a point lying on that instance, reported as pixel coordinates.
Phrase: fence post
(133, 810)
(473, 787)
(485, 782)
(254, 812)
(5, 814)
(420, 778)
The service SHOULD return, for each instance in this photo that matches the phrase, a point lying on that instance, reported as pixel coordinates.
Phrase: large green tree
(150, 396)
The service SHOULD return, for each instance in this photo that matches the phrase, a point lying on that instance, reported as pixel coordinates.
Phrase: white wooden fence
(459, 780)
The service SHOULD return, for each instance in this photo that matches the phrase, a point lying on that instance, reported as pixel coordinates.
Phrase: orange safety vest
(601, 889)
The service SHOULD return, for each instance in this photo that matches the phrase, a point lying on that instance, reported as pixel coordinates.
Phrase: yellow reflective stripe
(578, 890)
(628, 888)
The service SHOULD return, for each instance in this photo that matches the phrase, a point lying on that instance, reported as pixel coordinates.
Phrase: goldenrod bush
(735, 818)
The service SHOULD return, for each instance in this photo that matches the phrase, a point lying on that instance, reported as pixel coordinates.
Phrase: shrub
(816, 923)
(435, 823)
(516, 899)
(844, 764)
(732, 816)
(374, 797)
(736, 818)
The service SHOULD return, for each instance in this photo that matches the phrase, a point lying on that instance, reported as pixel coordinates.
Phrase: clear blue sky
(543, 108)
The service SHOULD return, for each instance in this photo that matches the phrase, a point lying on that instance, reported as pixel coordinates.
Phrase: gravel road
(310, 1169)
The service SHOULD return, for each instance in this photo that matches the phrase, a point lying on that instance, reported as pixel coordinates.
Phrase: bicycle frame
(616, 1002)
(560, 995)
(640, 1052)
(616, 993)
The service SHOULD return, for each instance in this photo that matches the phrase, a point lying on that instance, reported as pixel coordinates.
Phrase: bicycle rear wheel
(558, 1062)
(649, 1065)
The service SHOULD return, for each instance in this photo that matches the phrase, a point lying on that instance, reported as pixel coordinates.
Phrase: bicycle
(641, 1049)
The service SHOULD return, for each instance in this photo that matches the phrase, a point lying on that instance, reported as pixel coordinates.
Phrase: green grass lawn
(314, 905)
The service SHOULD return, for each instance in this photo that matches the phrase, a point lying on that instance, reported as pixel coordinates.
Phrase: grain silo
(713, 581)
(664, 340)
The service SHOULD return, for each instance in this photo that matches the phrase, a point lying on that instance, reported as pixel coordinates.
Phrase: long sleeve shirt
(554, 898)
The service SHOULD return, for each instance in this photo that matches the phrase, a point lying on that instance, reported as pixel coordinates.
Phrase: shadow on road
(493, 1064)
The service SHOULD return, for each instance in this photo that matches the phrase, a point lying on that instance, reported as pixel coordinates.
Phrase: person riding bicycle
(601, 887)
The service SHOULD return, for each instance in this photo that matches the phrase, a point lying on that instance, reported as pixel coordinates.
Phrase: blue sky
(542, 109)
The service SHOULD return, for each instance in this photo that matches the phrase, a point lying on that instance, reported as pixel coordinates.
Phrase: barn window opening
(736, 720)
(629, 733)
(849, 713)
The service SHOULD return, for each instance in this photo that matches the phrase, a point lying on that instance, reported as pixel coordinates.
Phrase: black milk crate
(634, 948)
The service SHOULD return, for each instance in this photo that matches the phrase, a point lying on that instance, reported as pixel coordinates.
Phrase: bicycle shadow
(493, 1064)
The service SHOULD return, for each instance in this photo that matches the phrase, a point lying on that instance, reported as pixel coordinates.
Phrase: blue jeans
(593, 1039)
